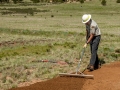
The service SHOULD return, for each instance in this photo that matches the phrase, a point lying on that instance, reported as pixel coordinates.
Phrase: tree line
(103, 2)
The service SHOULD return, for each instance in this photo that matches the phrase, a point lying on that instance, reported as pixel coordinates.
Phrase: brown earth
(105, 78)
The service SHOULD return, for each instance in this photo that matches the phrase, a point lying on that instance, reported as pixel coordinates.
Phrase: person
(93, 36)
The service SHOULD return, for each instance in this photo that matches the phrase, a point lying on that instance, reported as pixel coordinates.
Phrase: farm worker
(93, 36)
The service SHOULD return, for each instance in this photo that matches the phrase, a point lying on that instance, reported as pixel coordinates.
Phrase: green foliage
(118, 1)
(103, 2)
(117, 50)
(56, 1)
(69, 45)
(27, 11)
(3, 79)
(17, 1)
(81, 1)
(35, 1)
(107, 49)
(39, 50)
(115, 55)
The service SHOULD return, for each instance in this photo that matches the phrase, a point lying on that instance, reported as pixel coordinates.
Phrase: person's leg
(96, 65)
(94, 57)
(94, 48)
(88, 67)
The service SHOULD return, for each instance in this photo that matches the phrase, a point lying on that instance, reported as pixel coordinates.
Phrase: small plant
(103, 2)
(69, 45)
(3, 79)
(52, 15)
(114, 55)
(117, 50)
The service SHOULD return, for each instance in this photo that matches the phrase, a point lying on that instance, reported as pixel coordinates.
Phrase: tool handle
(81, 56)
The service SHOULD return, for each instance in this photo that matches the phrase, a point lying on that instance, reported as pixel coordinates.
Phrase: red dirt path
(105, 78)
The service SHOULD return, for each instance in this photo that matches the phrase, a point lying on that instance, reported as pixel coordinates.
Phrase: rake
(78, 73)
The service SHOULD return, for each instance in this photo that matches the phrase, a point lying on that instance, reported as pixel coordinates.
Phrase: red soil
(105, 78)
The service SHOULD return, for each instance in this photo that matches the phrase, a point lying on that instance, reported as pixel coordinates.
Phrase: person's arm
(88, 41)
(90, 38)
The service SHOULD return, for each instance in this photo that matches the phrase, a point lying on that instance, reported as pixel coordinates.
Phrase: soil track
(105, 78)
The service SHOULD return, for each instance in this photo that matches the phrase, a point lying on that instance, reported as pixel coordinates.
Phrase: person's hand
(85, 45)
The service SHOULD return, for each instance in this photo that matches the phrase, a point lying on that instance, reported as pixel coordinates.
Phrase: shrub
(117, 50)
(17, 1)
(103, 2)
(118, 1)
(81, 1)
(35, 1)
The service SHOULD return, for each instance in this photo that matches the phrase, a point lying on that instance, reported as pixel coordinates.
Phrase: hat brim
(87, 20)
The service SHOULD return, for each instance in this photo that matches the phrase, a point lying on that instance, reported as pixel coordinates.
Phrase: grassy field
(29, 33)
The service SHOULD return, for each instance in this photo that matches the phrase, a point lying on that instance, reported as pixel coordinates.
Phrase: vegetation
(51, 1)
(35, 1)
(81, 1)
(52, 32)
(118, 1)
(103, 2)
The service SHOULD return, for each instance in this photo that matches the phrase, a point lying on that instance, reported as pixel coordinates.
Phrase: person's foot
(91, 68)
(97, 66)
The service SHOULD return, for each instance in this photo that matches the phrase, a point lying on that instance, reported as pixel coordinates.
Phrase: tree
(103, 2)
(81, 1)
(118, 1)
(35, 1)
(5, 1)
(17, 1)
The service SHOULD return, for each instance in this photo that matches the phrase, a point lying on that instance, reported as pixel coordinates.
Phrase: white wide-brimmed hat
(86, 18)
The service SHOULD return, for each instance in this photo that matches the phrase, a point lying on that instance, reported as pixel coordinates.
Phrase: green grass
(56, 34)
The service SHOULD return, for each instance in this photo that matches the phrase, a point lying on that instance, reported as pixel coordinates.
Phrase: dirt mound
(105, 78)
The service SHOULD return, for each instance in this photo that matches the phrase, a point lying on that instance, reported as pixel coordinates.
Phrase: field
(30, 33)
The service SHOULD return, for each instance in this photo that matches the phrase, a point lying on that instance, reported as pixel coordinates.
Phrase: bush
(81, 1)
(103, 2)
(118, 1)
(35, 1)
(17, 1)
